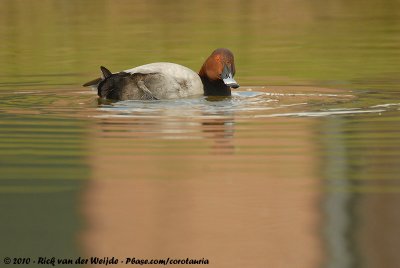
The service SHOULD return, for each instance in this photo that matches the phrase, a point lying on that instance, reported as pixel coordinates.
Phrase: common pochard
(163, 80)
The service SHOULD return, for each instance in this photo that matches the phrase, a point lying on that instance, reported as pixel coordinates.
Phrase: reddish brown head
(217, 73)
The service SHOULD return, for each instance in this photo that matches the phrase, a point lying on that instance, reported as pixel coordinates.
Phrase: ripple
(250, 102)
(326, 113)
(244, 104)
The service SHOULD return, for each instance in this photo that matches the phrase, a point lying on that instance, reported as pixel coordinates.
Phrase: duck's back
(169, 80)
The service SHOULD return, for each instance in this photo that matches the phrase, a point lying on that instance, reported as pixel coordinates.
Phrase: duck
(165, 80)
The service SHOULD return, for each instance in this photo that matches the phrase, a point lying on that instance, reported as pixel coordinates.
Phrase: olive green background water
(300, 168)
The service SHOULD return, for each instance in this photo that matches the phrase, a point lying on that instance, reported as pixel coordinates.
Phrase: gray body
(151, 81)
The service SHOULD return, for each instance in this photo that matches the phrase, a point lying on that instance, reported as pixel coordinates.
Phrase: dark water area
(299, 168)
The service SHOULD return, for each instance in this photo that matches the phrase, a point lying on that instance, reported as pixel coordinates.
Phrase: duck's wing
(157, 85)
(147, 94)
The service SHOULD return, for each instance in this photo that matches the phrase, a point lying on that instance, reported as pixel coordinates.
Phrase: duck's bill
(227, 77)
(230, 82)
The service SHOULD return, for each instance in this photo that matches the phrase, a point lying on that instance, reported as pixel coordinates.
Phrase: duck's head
(217, 73)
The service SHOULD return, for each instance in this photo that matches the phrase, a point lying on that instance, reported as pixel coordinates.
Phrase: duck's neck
(215, 88)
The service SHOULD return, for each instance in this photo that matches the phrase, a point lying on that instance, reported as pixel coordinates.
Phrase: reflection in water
(42, 169)
(256, 176)
(222, 131)
(180, 198)
(361, 229)
(338, 206)
(275, 176)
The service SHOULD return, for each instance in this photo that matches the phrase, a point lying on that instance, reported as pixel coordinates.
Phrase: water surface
(299, 168)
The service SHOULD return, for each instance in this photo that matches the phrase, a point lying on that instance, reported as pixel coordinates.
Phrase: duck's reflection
(221, 132)
(204, 186)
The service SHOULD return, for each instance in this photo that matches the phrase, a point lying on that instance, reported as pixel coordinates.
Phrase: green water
(300, 168)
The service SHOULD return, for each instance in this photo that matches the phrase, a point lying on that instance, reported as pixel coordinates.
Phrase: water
(299, 168)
